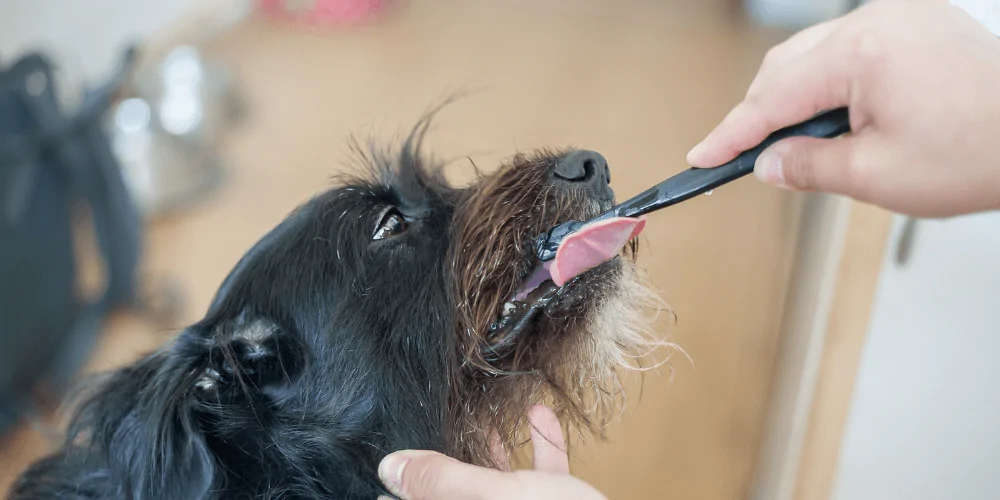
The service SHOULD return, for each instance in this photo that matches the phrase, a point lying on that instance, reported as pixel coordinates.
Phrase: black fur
(322, 351)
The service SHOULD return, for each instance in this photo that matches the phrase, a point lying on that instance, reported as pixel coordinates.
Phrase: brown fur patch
(572, 359)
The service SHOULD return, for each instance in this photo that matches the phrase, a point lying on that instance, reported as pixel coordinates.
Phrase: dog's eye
(392, 223)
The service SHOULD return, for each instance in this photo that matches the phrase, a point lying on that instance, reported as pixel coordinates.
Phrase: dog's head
(392, 311)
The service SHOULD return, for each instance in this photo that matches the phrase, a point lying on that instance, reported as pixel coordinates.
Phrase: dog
(377, 316)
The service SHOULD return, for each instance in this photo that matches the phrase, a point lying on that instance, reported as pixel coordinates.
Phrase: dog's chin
(583, 336)
(540, 308)
(619, 324)
(522, 339)
(580, 347)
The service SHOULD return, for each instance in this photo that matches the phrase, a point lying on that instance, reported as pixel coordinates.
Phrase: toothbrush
(693, 182)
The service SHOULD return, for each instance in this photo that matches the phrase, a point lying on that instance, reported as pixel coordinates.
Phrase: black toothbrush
(696, 181)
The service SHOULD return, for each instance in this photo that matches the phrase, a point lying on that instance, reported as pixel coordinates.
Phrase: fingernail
(768, 168)
(390, 471)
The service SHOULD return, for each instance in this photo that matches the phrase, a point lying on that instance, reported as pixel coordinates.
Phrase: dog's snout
(584, 169)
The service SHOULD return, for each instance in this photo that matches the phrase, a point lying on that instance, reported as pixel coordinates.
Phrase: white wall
(799, 14)
(796, 14)
(925, 421)
(986, 12)
(85, 38)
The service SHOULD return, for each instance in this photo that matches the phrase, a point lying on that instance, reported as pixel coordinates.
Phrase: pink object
(537, 277)
(593, 245)
(323, 12)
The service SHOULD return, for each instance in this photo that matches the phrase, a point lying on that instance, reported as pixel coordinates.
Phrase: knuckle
(795, 168)
(420, 480)
(755, 85)
(750, 109)
(864, 43)
(760, 114)
(770, 64)
(773, 55)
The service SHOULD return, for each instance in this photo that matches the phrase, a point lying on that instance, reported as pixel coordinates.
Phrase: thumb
(808, 164)
(427, 475)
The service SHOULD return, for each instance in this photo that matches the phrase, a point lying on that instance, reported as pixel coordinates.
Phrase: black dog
(378, 316)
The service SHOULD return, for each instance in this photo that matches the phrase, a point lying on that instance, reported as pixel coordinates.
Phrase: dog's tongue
(593, 245)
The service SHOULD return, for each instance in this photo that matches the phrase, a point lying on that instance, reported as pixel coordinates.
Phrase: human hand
(921, 80)
(426, 475)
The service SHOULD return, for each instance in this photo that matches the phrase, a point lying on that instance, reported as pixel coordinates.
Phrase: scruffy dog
(379, 316)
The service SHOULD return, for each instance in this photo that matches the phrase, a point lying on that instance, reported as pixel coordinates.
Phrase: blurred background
(837, 351)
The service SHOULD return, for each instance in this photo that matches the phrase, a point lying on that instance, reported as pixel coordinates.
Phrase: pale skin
(425, 475)
(921, 79)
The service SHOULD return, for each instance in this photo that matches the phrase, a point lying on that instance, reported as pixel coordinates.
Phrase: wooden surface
(640, 82)
(850, 312)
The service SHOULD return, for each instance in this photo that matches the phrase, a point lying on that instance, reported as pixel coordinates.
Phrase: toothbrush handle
(696, 181)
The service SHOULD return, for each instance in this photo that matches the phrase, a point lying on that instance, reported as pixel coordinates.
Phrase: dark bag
(54, 166)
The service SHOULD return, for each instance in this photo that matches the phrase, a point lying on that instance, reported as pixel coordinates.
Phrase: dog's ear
(142, 427)
(204, 387)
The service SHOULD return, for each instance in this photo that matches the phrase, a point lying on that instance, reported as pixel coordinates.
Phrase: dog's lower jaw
(582, 383)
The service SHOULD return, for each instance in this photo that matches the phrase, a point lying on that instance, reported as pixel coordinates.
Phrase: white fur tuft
(621, 337)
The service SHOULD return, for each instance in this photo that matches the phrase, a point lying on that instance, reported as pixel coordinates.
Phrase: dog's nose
(584, 169)
(582, 166)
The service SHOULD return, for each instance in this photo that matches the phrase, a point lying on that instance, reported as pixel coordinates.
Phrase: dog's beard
(324, 349)
(573, 358)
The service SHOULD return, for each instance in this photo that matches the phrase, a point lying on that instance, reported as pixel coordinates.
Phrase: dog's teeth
(508, 308)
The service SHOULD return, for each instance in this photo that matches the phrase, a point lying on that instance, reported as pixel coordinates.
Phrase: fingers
(425, 475)
(793, 48)
(805, 163)
(547, 441)
(794, 85)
